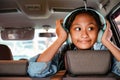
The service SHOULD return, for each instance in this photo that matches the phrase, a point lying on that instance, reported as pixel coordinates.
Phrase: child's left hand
(107, 34)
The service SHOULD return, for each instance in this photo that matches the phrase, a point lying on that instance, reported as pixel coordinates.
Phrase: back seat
(13, 67)
(17, 70)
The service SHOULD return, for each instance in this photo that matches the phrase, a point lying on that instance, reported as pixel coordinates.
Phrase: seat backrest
(13, 67)
(5, 52)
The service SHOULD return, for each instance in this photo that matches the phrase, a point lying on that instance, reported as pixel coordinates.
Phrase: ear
(100, 35)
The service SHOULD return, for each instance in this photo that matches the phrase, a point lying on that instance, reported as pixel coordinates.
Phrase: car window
(29, 48)
(114, 18)
(117, 20)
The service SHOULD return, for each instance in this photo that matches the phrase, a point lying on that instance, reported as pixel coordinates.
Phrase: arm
(46, 64)
(106, 41)
(42, 69)
(49, 53)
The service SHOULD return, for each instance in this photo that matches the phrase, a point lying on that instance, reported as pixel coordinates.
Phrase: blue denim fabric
(99, 46)
(116, 67)
(41, 69)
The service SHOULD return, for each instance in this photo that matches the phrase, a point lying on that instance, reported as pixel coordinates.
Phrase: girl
(83, 27)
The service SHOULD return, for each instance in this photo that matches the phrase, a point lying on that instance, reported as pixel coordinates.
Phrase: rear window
(29, 48)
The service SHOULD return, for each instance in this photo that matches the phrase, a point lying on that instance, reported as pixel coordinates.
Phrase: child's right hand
(61, 33)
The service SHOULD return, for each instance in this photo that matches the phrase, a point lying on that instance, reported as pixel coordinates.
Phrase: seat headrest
(87, 62)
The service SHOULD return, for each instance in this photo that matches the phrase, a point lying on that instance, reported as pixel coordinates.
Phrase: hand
(61, 33)
(115, 51)
(107, 34)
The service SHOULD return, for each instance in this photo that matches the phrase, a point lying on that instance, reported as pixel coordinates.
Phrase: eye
(90, 28)
(77, 28)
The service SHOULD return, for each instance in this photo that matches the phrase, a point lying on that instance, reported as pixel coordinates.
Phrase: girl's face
(84, 31)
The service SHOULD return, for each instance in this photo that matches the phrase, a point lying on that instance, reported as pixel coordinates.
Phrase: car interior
(28, 27)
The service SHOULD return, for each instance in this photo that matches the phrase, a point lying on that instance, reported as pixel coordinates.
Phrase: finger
(108, 24)
(59, 22)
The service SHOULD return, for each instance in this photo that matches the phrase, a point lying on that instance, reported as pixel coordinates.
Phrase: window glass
(117, 20)
(29, 48)
(114, 18)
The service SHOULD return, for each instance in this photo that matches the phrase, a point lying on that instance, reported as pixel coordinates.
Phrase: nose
(84, 34)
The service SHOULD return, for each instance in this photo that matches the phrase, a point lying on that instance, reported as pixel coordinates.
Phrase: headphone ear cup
(69, 40)
(100, 36)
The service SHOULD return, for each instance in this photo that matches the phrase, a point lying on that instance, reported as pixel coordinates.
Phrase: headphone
(71, 16)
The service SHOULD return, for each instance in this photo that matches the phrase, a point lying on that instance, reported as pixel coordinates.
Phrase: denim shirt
(43, 69)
